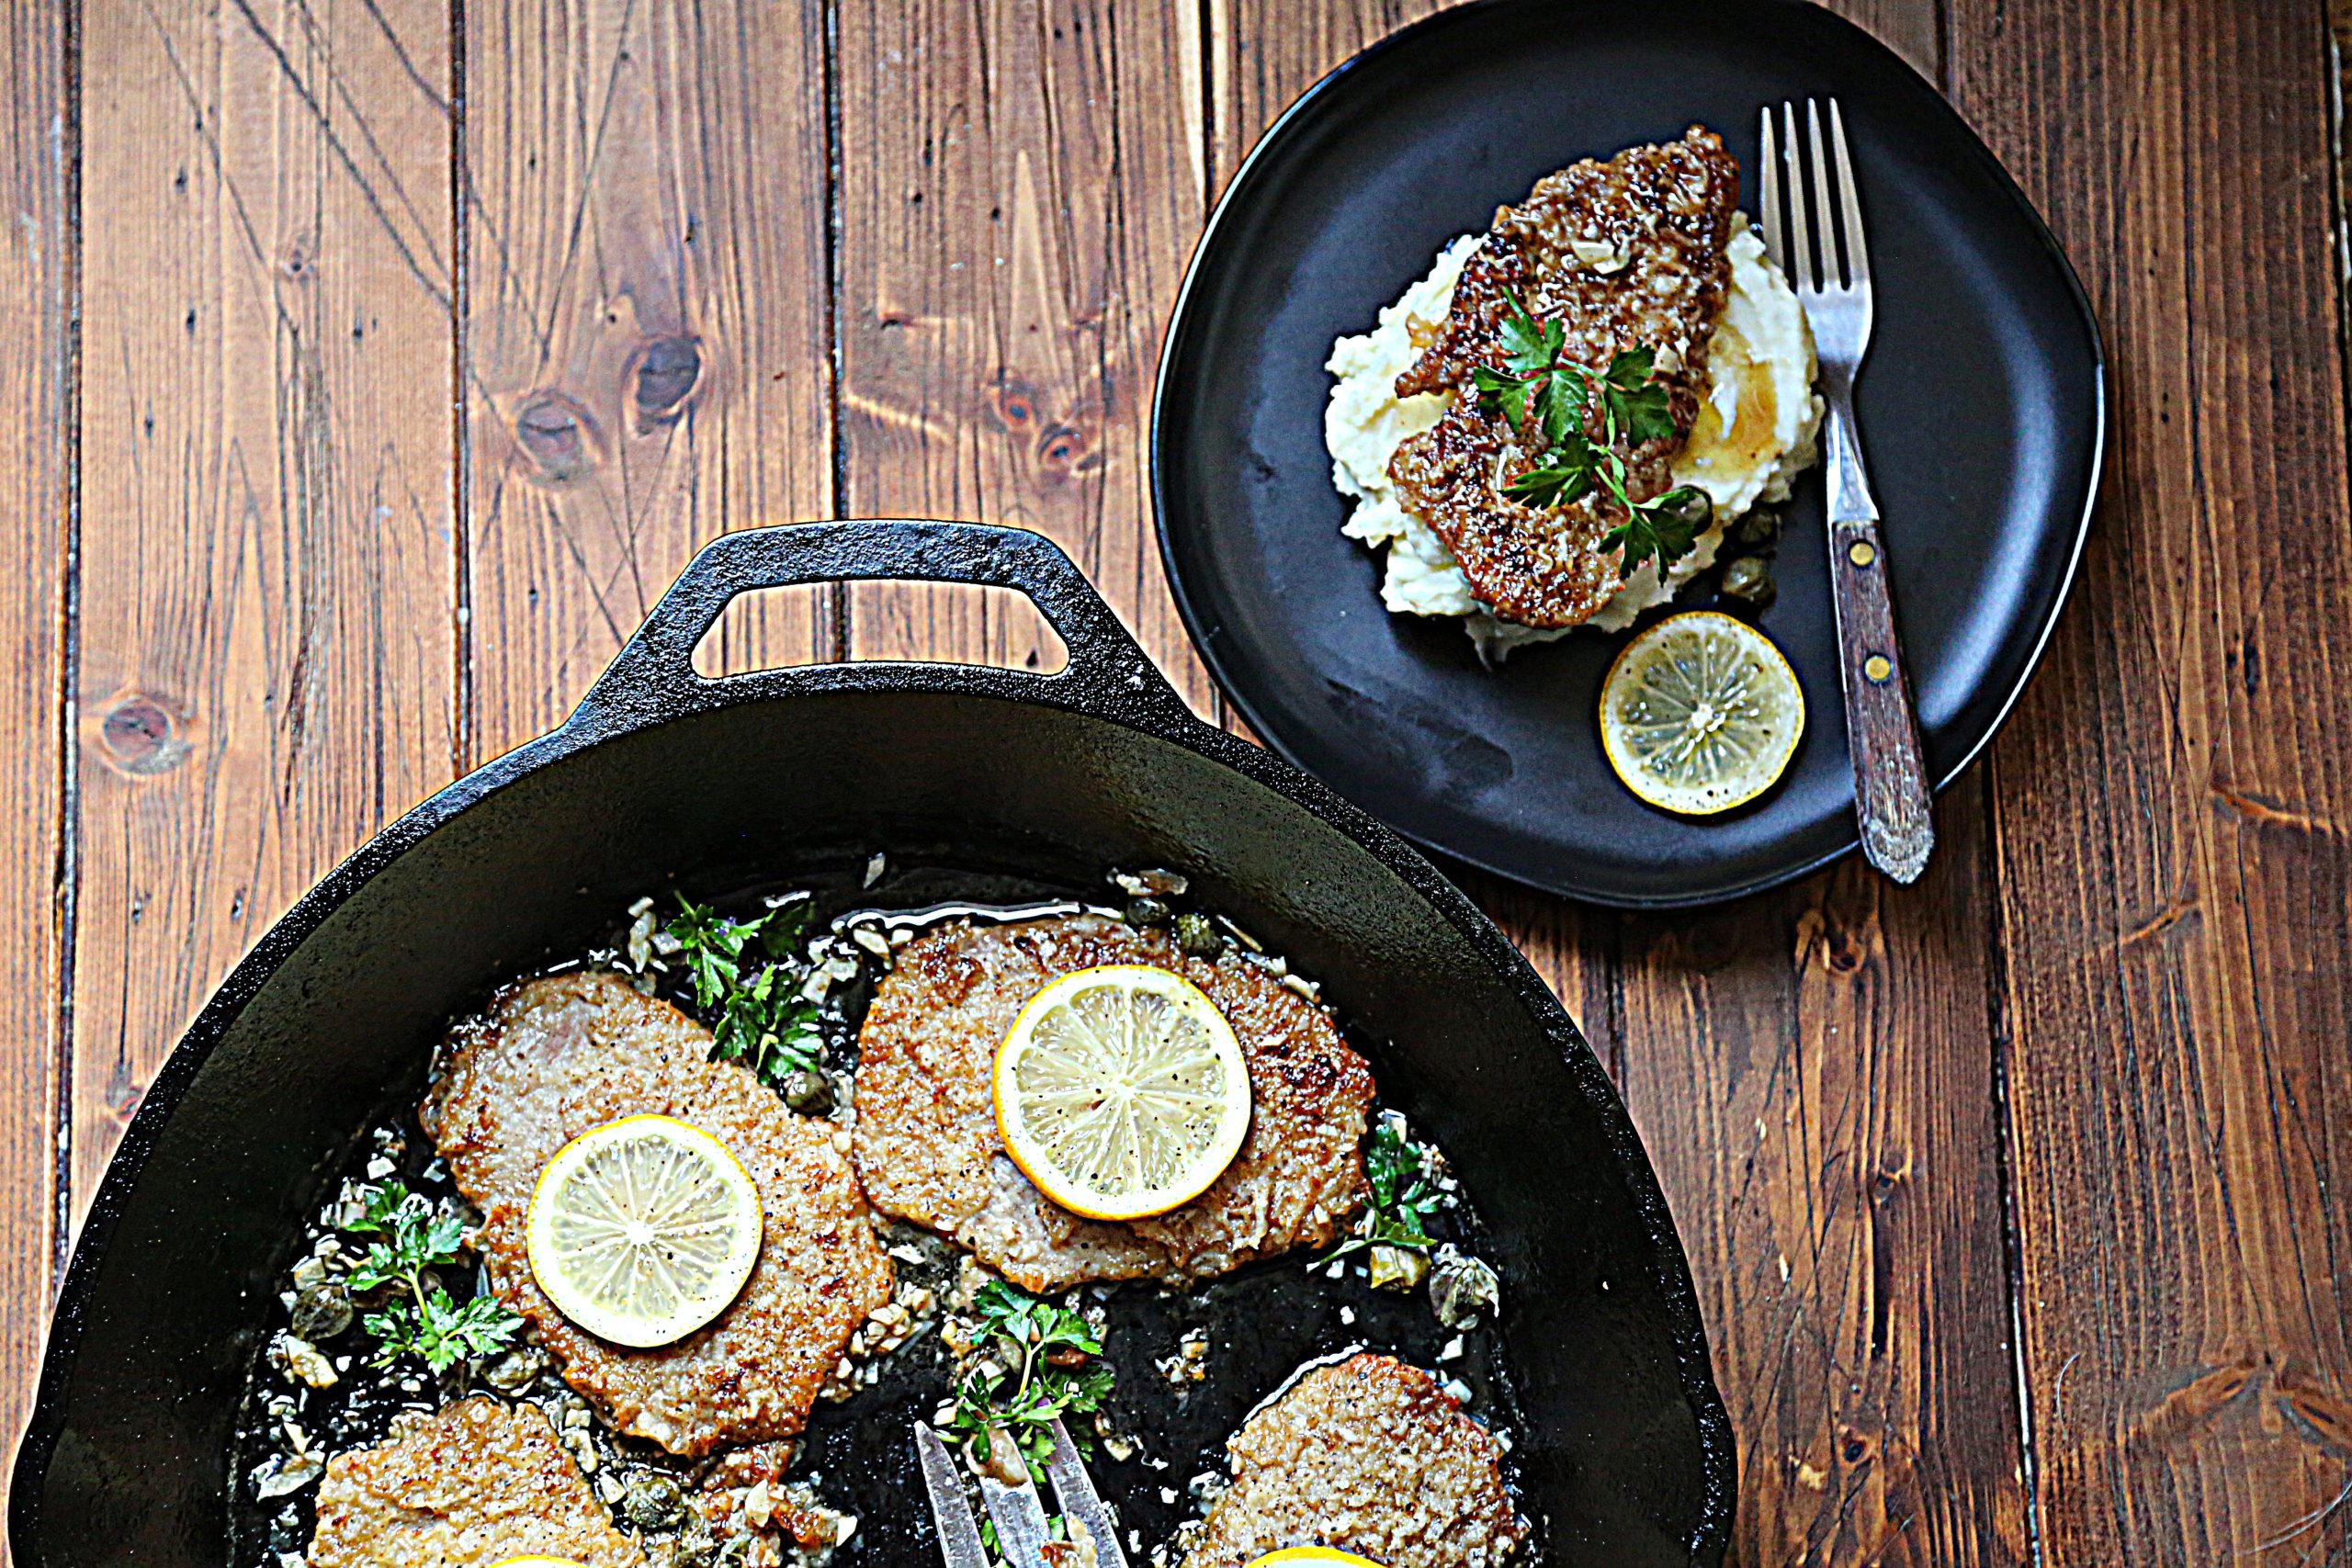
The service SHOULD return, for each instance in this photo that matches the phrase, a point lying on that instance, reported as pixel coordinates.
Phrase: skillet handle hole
(921, 623)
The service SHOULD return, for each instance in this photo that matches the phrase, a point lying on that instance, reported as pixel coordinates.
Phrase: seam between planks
(461, 451)
(66, 873)
(2000, 1035)
(835, 599)
(1998, 1024)
(2335, 31)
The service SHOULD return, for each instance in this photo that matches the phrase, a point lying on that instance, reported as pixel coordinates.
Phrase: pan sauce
(1190, 1366)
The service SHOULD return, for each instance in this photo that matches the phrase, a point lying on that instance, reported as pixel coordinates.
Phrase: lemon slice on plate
(644, 1230)
(1121, 1091)
(1700, 713)
(1309, 1557)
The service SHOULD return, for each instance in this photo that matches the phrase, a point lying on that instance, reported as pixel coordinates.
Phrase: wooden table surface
(376, 362)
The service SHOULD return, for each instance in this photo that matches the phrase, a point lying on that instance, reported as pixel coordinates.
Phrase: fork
(1881, 728)
(1021, 1532)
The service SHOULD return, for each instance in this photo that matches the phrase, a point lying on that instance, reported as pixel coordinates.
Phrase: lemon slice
(1700, 713)
(644, 1230)
(1121, 1091)
(538, 1563)
(1305, 1557)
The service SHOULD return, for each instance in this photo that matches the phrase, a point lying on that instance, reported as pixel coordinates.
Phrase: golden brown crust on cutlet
(927, 1146)
(553, 1058)
(1371, 1456)
(1668, 211)
(465, 1488)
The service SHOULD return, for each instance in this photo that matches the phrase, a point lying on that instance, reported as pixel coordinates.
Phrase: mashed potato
(1753, 436)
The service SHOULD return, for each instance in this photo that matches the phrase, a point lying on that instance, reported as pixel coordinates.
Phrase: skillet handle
(653, 675)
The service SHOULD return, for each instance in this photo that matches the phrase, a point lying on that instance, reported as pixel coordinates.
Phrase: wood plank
(36, 257)
(646, 328)
(265, 651)
(1022, 182)
(1812, 1074)
(2175, 810)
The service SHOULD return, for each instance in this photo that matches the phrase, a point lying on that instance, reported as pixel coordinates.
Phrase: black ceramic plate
(1980, 405)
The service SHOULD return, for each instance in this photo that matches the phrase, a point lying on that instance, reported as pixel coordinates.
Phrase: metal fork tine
(1020, 1521)
(1081, 1502)
(959, 1533)
(1800, 256)
(1768, 196)
(1857, 255)
(1824, 211)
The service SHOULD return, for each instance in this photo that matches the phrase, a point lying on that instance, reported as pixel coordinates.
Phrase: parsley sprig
(1038, 1362)
(1561, 395)
(412, 1238)
(745, 982)
(1405, 1193)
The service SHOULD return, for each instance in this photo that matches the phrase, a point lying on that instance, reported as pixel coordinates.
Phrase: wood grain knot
(1015, 402)
(1065, 450)
(667, 374)
(556, 433)
(1843, 952)
(138, 737)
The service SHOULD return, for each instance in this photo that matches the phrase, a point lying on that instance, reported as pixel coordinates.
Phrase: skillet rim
(1196, 621)
(1107, 678)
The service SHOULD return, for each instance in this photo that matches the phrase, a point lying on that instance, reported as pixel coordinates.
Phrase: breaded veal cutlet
(553, 1058)
(1371, 1456)
(927, 1147)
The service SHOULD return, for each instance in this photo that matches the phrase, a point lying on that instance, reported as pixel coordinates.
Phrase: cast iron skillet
(1980, 406)
(661, 773)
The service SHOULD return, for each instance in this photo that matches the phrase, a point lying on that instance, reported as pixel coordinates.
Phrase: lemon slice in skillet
(1121, 1091)
(1700, 713)
(644, 1230)
(1309, 1557)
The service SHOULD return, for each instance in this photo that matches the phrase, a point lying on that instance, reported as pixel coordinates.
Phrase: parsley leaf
(1663, 530)
(412, 1238)
(1529, 348)
(1563, 409)
(743, 973)
(1036, 1363)
(1499, 396)
(440, 1330)
(1556, 484)
(1637, 404)
(1405, 1194)
(1631, 369)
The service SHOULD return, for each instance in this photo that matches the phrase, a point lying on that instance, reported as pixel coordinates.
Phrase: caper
(1147, 911)
(1197, 935)
(1749, 579)
(321, 1312)
(514, 1371)
(1396, 1268)
(1461, 1287)
(809, 1092)
(1759, 527)
(653, 1502)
